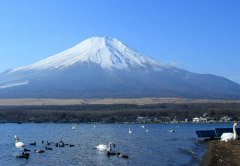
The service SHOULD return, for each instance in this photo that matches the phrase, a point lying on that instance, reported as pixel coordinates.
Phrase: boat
(206, 133)
(217, 132)
(220, 131)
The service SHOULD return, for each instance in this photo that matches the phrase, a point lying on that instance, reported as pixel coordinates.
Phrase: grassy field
(137, 101)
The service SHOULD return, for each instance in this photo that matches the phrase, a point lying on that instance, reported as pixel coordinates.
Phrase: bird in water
(130, 131)
(23, 155)
(230, 136)
(27, 154)
(18, 144)
(110, 152)
(104, 147)
(121, 155)
(61, 144)
(48, 148)
(39, 151)
(25, 149)
(33, 143)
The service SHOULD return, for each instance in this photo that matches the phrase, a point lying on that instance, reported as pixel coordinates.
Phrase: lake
(156, 147)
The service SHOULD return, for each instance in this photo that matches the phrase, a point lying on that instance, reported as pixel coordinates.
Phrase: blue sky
(201, 36)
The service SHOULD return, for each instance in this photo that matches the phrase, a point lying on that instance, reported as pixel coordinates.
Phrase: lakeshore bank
(220, 153)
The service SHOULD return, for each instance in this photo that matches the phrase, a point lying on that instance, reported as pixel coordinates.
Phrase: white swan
(230, 136)
(109, 152)
(18, 144)
(104, 147)
(130, 131)
(73, 127)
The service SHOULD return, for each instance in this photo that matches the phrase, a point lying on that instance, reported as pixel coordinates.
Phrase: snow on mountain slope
(13, 84)
(106, 52)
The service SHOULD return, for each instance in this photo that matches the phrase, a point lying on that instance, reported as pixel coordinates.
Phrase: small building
(202, 120)
(174, 120)
(225, 119)
(196, 120)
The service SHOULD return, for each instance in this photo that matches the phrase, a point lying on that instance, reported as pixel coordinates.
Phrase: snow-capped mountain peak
(106, 52)
(102, 67)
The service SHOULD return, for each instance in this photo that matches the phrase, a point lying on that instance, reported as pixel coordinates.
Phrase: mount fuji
(101, 67)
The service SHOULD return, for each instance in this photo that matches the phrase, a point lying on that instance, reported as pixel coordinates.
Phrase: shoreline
(106, 101)
(221, 153)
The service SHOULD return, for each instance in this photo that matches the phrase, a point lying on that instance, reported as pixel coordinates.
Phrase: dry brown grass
(137, 101)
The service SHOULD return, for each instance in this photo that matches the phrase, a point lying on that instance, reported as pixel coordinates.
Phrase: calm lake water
(156, 147)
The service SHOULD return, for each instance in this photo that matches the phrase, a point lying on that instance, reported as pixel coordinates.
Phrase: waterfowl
(22, 156)
(27, 154)
(33, 143)
(61, 145)
(25, 149)
(104, 147)
(18, 144)
(109, 152)
(130, 131)
(230, 136)
(121, 155)
(71, 145)
(56, 144)
(48, 148)
(39, 151)
(42, 142)
(48, 143)
(101, 147)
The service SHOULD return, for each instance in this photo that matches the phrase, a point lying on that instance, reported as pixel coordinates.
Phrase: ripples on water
(156, 147)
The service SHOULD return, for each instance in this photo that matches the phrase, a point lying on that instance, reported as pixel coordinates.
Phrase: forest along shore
(221, 153)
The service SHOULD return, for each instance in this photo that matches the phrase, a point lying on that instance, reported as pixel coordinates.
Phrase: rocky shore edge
(220, 153)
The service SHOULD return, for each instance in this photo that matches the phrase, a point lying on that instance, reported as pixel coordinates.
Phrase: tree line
(117, 112)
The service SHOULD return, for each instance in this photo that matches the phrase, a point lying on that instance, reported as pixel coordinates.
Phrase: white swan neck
(234, 131)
